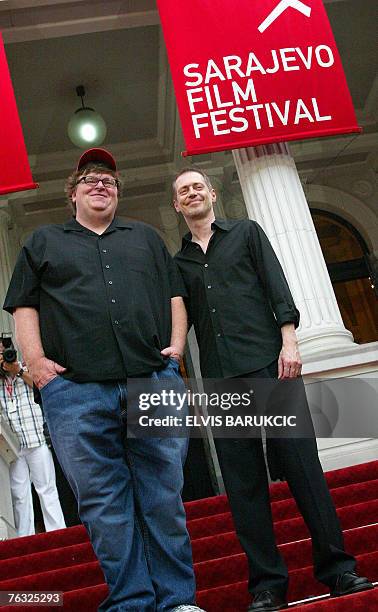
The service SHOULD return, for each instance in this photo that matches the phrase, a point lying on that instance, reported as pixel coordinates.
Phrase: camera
(9, 352)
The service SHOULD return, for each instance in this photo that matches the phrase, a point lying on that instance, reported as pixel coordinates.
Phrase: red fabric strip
(15, 173)
(245, 75)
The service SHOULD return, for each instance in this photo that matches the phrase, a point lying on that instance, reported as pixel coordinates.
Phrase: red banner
(250, 72)
(15, 173)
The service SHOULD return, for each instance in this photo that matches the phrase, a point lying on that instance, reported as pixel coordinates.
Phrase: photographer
(34, 463)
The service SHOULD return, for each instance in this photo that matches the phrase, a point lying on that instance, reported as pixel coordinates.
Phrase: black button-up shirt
(238, 298)
(104, 301)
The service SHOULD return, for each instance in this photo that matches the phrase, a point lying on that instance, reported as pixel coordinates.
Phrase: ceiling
(116, 67)
(116, 50)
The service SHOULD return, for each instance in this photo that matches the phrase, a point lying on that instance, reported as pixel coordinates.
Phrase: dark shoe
(350, 582)
(267, 601)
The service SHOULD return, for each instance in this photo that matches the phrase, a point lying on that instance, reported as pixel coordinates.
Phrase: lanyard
(9, 385)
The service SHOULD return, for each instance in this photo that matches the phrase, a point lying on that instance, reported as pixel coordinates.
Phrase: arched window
(347, 261)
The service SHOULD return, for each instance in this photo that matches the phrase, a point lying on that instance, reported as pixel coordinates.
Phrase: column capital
(236, 208)
(170, 226)
(218, 184)
(5, 218)
(275, 148)
(169, 217)
(216, 181)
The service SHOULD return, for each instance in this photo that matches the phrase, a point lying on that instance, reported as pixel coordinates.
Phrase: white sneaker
(187, 608)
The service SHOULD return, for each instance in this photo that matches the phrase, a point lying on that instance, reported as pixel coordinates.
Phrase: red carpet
(64, 560)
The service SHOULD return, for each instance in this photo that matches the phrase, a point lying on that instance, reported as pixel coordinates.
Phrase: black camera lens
(9, 355)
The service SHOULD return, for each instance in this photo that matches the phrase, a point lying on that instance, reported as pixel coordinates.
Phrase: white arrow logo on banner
(281, 8)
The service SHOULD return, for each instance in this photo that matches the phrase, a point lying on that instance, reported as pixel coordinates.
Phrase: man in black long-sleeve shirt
(245, 319)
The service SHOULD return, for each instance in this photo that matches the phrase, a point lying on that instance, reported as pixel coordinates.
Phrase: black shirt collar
(74, 226)
(221, 224)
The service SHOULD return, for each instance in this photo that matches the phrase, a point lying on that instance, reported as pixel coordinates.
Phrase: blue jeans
(128, 493)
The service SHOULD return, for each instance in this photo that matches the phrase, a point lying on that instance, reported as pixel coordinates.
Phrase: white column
(170, 226)
(274, 198)
(6, 268)
(217, 183)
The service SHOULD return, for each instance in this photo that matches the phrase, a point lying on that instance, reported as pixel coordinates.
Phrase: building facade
(325, 234)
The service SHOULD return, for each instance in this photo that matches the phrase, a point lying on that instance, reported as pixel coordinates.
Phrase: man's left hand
(289, 361)
(172, 351)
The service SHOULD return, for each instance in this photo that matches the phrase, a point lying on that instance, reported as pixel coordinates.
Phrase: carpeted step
(86, 599)
(287, 508)
(342, 496)
(303, 584)
(198, 528)
(296, 554)
(355, 515)
(365, 472)
(55, 558)
(218, 504)
(219, 572)
(355, 473)
(64, 559)
(43, 541)
(360, 474)
(202, 527)
(359, 602)
(350, 517)
(215, 546)
(234, 597)
(209, 574)
(357, 541)
(64, 579)
(355, 493)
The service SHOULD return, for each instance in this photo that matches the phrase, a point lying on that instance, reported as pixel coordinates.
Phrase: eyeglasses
(93, 181)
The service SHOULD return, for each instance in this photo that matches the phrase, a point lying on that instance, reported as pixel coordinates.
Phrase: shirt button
(116, 322)
(104, 250)
(209, 286)
(206, 265)
(219, 335)
(213, 310)
(107, 267)
(113, 301)
(110, 282)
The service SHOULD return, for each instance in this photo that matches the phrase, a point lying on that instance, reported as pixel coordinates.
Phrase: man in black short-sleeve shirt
(97, 300)
(103, 299)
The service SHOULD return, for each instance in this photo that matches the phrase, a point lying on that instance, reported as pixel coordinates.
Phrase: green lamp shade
(86, 128)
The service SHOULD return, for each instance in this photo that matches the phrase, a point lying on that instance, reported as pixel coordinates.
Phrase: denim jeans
(128, 493)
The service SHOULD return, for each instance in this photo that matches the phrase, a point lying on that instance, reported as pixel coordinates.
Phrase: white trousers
(35, 465)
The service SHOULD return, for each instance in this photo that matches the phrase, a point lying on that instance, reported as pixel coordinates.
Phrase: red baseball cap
(97, 155)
